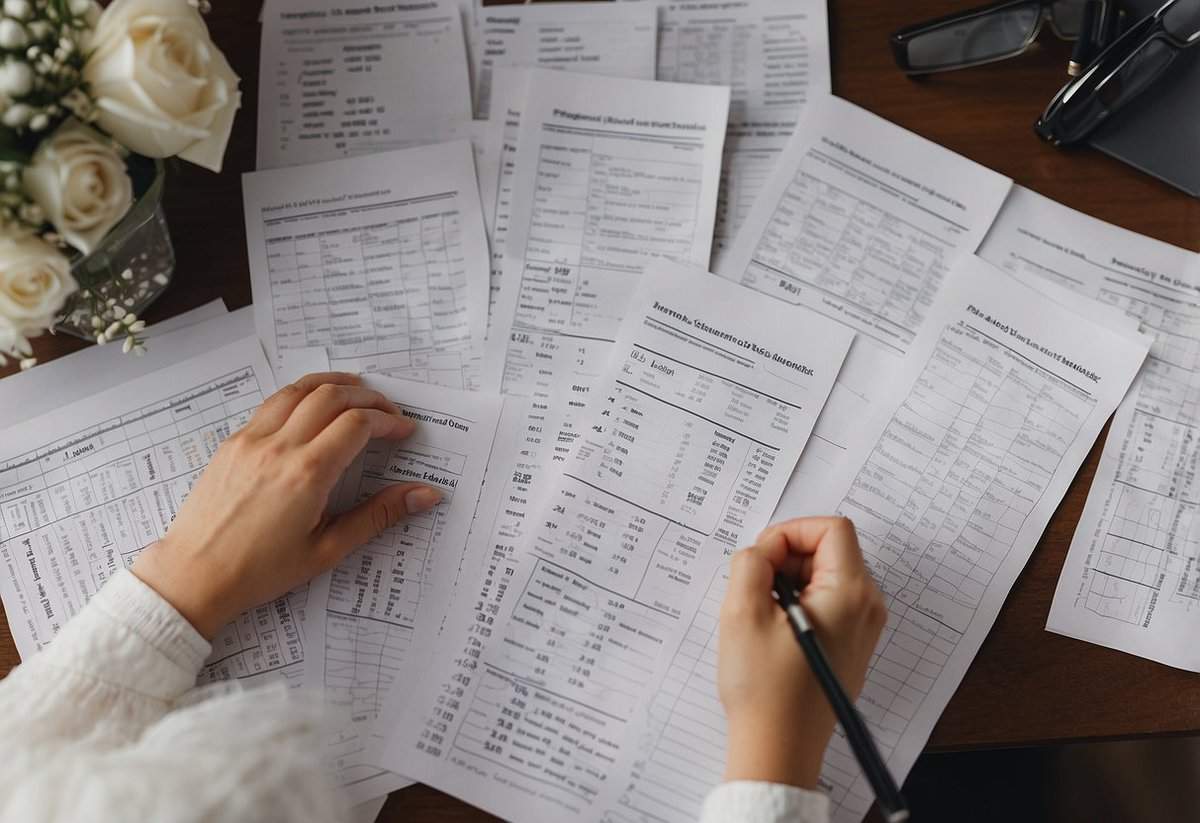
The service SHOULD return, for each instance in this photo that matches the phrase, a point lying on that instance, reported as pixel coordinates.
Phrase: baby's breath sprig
(109, 306)
(42, 52)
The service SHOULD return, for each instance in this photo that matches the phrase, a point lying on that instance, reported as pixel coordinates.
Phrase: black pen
(887, 794)
(1093, 22)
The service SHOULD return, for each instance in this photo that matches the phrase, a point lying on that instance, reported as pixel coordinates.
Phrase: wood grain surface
(1026, 685)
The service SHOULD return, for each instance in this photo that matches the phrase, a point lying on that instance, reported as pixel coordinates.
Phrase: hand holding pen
(780, 719)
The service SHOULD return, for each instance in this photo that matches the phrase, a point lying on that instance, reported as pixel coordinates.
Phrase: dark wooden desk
(1026, 686)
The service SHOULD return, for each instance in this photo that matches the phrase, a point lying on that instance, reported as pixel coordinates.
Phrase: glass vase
(139, 245)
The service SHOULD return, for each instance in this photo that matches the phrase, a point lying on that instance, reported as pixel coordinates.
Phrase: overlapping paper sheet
(705, 405)
(344, 78)
(861, 222)
(774, 56)
(592, 38)
(86, 486)
(381, 259)
(950, 482)
(383, 605)
(1131, 577)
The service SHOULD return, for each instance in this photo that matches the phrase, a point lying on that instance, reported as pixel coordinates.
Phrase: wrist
(190, 591)
(787, 750)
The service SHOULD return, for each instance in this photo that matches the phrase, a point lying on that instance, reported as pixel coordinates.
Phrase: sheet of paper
(774, 56)
(33, 392)
(367, 812)
(339, 79)
(509, 87)
(704, 407)
(953, 482)
(950, 482)
(592, 203)
(593, 38)
(381, 259)
(383, 605)
(86, 486)
(611, 175)
(861, 222)
(1130, 580)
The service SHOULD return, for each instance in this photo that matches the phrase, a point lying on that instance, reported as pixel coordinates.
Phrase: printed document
(774, 56)
(611, 175)
(338, 79)
(861, 222)
(705, 405)
(1132, 577)
(85, 487)
(381, 259)
(950, 484)
(383, 605)
(592, 38)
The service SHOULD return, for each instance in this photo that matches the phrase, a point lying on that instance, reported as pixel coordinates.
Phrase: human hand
(780, 721)
(255, 524)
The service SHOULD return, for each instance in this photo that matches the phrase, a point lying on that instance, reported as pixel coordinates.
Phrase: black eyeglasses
(1121, 72)
(983, 35)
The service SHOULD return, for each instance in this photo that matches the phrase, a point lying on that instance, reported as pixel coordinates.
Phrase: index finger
(341, 441)
(830, 542)
(277, 408)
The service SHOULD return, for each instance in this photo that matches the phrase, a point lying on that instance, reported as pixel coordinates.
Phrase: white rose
(80, 182)
(161, 86)
(35, 281)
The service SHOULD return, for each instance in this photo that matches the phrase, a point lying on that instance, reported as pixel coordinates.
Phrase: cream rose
(79, 180)
(35, 281)
(161, 87)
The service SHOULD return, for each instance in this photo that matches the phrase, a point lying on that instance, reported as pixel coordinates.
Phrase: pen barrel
(887, 793)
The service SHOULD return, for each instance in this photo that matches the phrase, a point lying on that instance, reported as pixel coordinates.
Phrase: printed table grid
(374, 599)
(389, 296)
(588, 217)
(883, 267)
(103, 495)
(999, 427)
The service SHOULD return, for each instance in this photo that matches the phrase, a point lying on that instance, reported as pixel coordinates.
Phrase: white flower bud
(17, 115)
(112, 330)
(13, 34)
(80, 7)
(128, 347)
(140, 325)
(40, 30)
(16, 78)
(20, 9)
(127, 274)
(101, 339)
(119, 313)
(39, 122)
(161, 279)
(96, 321)
(139, 350)
(28, 363)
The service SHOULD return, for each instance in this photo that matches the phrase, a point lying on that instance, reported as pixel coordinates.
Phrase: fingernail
(422, 500)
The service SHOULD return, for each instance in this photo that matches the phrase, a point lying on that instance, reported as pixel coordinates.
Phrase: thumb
(368, 519)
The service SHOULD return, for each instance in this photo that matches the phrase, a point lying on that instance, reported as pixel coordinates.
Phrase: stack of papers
(896, 334)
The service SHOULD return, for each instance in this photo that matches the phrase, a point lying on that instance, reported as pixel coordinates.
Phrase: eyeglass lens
(1067, 16)
(973, 40)
(1182, 20)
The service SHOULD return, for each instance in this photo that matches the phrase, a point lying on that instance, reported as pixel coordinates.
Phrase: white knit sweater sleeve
(745, 801)
(94, 728)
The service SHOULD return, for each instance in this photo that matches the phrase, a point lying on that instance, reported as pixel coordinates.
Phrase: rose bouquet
(90, 99)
